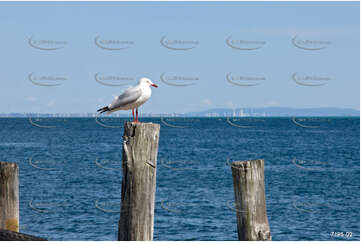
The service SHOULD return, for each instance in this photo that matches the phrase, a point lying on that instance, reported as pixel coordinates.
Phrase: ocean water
(70, 176)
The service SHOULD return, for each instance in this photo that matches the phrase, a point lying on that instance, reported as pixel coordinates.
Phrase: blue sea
(70, 176)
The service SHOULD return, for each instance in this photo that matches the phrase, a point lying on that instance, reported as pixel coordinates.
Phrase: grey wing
(129, 96)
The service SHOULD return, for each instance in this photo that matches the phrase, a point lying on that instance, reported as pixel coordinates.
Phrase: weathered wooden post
(140, 148)
(9, 196)
(249, 191)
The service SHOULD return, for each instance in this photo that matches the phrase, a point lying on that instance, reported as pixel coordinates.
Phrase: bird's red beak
(154, 85)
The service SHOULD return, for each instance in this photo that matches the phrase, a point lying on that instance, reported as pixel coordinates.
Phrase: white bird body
(146, 93)
(131, 98)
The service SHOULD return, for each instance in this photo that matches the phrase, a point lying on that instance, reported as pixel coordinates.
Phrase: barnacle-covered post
(139, 163)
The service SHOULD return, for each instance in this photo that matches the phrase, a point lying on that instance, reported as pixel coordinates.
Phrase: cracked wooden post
(9, 196)
(140, 149)
(250, 200)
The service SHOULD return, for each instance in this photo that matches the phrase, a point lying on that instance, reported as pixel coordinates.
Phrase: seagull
(131, 98)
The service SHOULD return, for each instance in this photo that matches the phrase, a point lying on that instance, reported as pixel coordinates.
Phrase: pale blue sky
(208, 24)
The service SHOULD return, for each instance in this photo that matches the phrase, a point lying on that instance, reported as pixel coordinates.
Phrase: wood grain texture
(139, 163)
(9, 196)
(249, 190)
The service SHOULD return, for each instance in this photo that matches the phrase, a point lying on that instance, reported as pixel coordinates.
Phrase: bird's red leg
(136, 111)
(133, 114)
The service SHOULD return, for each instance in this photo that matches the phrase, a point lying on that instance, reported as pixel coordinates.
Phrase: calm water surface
(70, 176)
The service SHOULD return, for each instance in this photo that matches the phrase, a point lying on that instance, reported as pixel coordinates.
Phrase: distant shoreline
(179, 117)
(214, 112)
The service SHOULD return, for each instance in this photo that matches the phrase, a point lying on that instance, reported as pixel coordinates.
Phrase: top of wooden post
(10, 164)
(142, 124)
(248, 164)
(6, 167)
(130, 128)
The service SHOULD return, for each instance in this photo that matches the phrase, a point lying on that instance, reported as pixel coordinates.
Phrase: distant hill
(276, 111)
(216, 112)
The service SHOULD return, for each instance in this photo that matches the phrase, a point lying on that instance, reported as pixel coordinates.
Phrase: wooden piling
(9, 196)
(140, 148)
(249, 191)
(7, 235)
